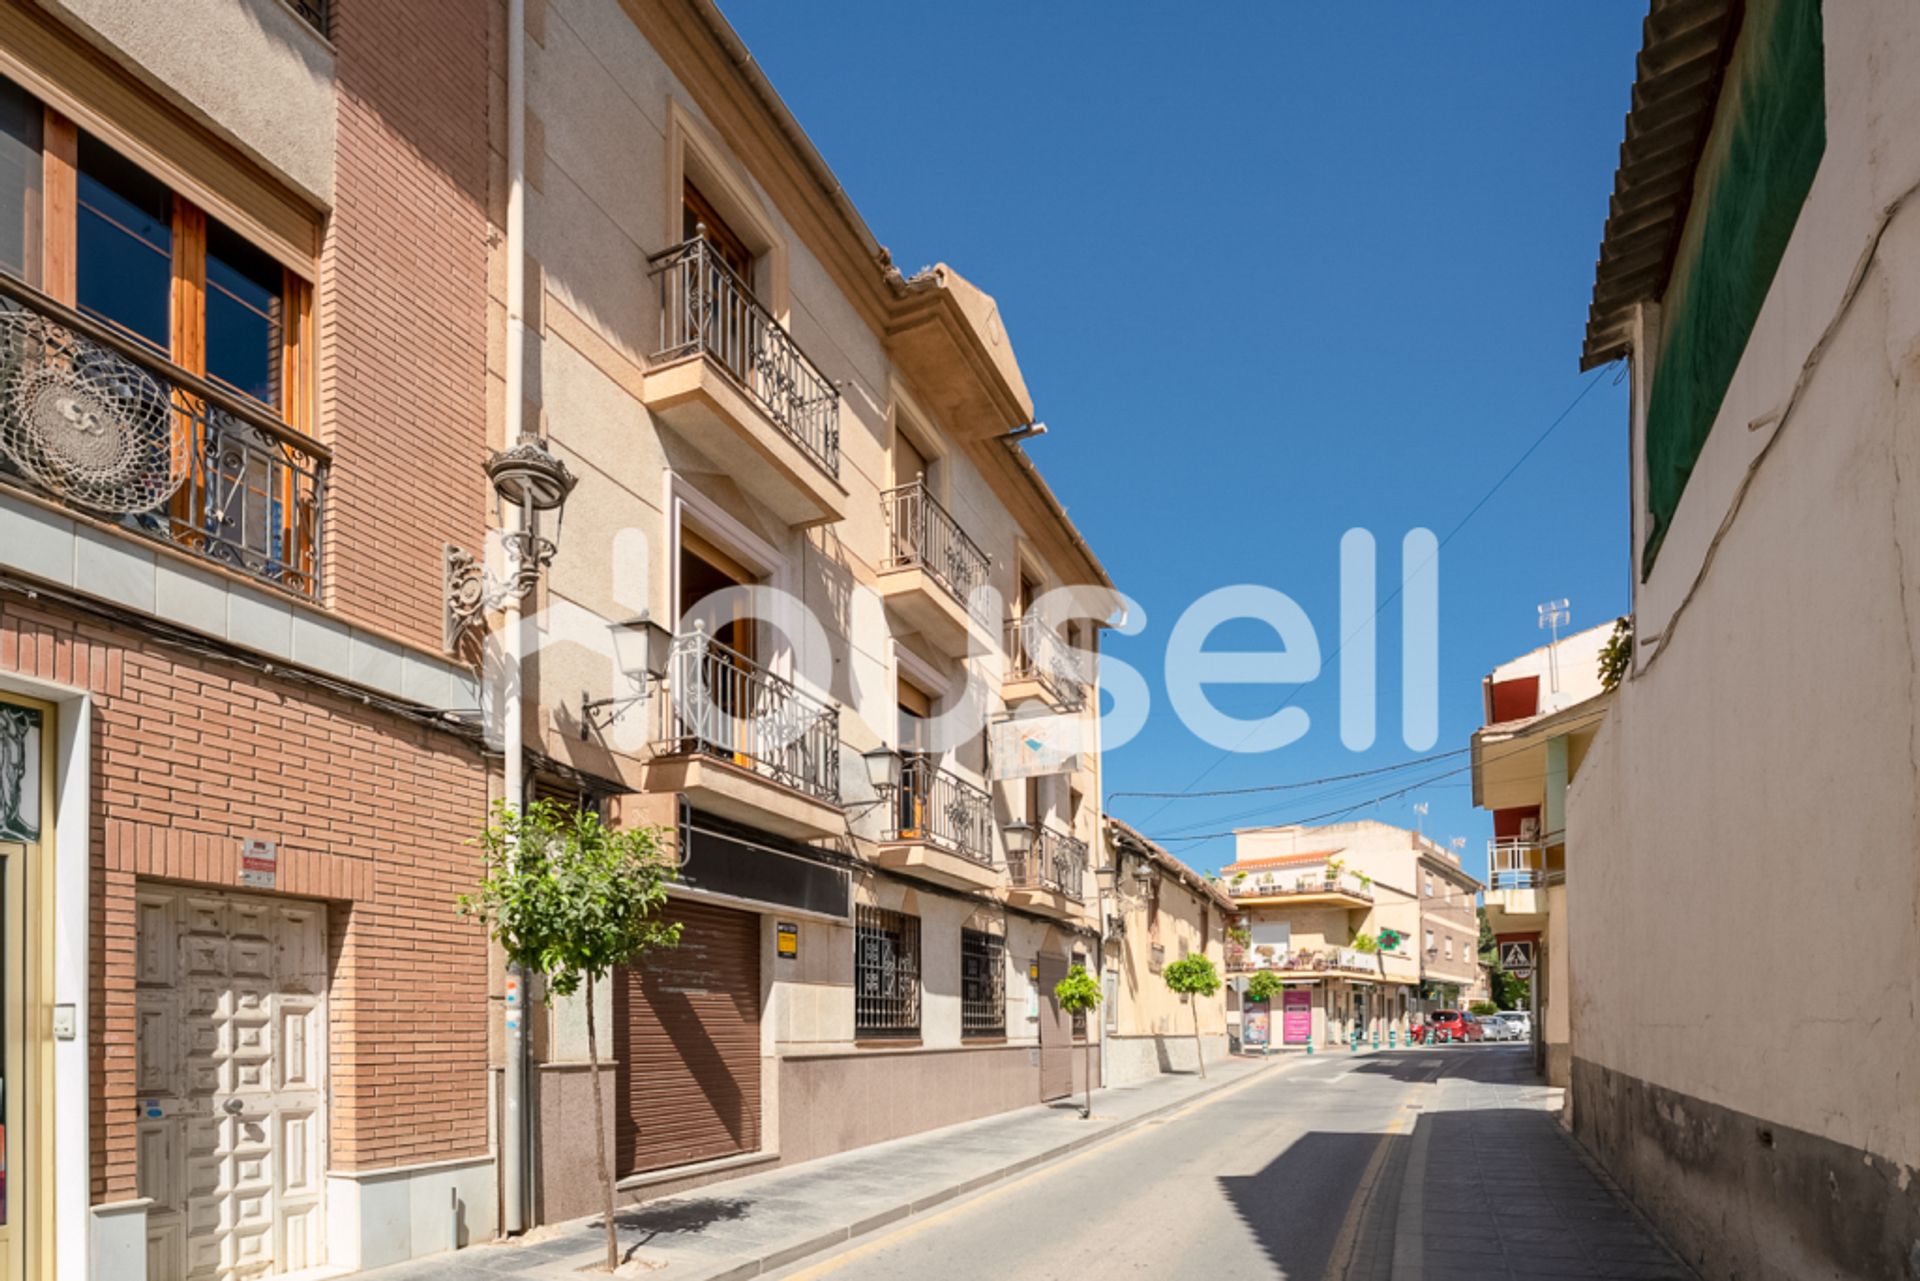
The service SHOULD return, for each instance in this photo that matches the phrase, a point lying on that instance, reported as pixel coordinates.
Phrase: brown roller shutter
(686, 1030)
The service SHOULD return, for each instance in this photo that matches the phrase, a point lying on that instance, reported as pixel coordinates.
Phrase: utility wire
(1394, 594)
(1290, 787)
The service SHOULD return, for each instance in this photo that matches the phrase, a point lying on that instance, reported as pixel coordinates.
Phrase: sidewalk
(1491, 1187)
(766, 1221)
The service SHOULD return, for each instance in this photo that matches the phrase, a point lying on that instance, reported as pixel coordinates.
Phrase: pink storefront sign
(1296, 1016)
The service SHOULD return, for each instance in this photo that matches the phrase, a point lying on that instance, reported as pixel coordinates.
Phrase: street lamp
(642, 650)
(883, 769)
(527, 480)
(1019, 837)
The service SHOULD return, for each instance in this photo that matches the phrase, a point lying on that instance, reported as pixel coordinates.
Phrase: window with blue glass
(124, 246)
(245, 311)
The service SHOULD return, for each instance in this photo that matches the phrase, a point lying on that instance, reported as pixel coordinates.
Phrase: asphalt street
(1263, 1181)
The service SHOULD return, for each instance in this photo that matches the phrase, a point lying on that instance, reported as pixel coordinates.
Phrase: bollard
(1309, 1047)
(1376, 1038)
(1393, 1038)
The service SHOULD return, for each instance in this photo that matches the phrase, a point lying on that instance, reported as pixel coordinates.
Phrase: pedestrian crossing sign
(1517, 957)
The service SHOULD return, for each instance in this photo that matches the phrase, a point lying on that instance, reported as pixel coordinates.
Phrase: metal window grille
(983, 984)
(886, 973)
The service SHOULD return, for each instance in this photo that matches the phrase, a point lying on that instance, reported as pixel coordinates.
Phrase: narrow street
(1320, 1171)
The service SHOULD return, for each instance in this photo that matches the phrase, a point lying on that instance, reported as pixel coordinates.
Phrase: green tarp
(1768, 135)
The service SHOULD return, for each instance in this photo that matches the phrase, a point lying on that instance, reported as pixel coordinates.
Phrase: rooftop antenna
(1553, 616)
(1419, 817)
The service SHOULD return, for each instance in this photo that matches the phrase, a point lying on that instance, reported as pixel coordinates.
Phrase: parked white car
(1519, 1024)
(1494, 1028)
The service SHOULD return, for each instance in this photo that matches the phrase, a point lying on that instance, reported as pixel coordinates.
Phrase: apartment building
(1368, 924)
(1446, 920)
(803, 615)
(1541, 712)
(1752, 784)
(1159, 910)
(242, 390)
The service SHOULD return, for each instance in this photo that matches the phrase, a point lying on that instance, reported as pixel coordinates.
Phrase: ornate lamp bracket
(470, 591)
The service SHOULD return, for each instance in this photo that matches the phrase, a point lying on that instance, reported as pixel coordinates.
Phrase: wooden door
(231, 1067)
(14, 1093)
(1056, 1033)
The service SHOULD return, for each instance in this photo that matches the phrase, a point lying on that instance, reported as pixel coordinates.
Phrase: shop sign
(1296, 1015)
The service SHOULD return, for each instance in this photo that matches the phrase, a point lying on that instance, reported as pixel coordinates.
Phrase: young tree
(1079, 994)
(1193, 977)
(570, 898)
(1264, 986)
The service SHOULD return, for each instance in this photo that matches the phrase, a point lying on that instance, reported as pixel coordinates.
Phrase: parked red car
(1454, 1025)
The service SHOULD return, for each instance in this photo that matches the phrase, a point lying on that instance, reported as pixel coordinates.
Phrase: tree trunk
(1199, 1054)
(1086, 1057)
(600, 1131)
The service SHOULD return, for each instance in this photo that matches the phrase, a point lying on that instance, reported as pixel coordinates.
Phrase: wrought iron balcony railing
(106, 427)
(706, 308)
(1036, 651)
(921, 533)
(1055, 862)
(943, 809)
(721, 703)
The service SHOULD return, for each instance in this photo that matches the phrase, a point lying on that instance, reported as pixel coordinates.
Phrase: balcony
(1051, 876)
(931, 570)
(939, 826)
(1040, 665)
(1305, 891)
(1517, 882)
(730, 380)
(102, 426)
(1305, 961)
(746, 744)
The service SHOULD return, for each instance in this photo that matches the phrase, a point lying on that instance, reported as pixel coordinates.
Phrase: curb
(787, 1255)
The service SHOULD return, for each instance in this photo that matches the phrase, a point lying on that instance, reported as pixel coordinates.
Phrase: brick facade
(371, 811)
(402, 314)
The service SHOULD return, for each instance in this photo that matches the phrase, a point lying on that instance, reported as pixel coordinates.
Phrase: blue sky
(1273, 271)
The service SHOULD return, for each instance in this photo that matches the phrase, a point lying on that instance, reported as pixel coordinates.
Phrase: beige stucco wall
(613, 126)
(1741, 838)
(1147, 1007)
(249, 69)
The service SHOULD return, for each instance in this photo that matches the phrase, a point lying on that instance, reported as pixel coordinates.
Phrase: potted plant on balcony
(1193, 977)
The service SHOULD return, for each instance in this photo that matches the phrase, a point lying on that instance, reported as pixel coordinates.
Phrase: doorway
(1056, 1032)
(231, 1063)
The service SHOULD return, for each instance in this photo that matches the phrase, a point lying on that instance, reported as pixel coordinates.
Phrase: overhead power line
(1394, 594)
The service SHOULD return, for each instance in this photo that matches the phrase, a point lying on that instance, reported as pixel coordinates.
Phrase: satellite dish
(84, 421)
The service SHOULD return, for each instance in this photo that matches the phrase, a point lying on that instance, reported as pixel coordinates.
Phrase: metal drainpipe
(513, 1145)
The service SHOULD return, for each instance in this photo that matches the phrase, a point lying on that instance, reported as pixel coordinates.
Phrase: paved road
(1317, 1172)
(1258, 1182)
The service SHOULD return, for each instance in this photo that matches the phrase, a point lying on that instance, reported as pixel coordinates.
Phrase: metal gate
(686, 1040)
(1056, 1033)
